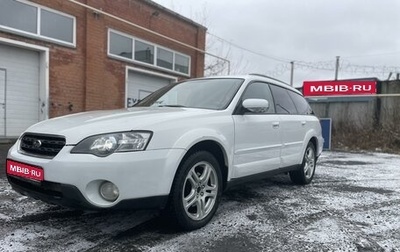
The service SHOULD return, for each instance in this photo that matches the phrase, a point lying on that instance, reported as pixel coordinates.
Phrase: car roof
(259, 77)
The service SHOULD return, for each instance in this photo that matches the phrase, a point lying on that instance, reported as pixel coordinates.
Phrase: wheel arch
(216, 150)
(314, 140)
(312, 137)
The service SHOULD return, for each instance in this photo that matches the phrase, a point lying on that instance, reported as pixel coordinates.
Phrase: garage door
(141, 85)
(19, 90)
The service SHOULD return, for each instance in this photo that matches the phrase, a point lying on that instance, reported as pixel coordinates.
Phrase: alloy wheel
(200, 191)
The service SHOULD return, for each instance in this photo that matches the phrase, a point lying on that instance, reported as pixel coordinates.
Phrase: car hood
(78, 126)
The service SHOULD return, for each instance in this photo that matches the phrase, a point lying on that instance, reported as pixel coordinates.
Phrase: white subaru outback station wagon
(178, 149)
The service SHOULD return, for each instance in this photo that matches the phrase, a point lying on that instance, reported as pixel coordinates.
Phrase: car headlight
(106, 144)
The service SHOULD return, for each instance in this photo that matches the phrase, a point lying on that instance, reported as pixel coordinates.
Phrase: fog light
(109, 191)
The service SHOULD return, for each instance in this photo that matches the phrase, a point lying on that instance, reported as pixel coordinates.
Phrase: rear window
(282, 100)
(302, 105)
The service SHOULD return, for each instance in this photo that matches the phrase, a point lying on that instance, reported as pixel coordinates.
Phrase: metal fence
(362, 112)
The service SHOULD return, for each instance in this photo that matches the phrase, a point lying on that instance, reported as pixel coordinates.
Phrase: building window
(18, 16)
(144, 52)
(122, 46)
(35, 21)
(181, 63)
(53, 25)
(165, 58)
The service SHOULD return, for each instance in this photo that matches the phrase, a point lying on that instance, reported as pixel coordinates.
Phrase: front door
(257, 136)
(257, 144)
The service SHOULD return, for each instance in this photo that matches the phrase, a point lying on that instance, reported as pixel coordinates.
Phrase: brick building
(65, 56)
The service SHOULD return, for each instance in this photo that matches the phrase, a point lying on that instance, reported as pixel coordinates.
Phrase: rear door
(293, 126)
(257, 136)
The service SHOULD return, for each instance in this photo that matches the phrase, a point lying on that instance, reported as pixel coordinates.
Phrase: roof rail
(269, 77)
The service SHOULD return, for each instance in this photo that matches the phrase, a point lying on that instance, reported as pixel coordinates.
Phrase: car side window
(301, 104)
(283, 102)
(260, 90)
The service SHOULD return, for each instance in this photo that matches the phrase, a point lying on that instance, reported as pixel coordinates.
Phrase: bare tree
(226, 62)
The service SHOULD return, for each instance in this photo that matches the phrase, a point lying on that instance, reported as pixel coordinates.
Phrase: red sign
(24, 170)
(341, 87)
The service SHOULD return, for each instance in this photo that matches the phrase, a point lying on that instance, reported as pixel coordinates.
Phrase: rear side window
(302, 105)
(283, 102)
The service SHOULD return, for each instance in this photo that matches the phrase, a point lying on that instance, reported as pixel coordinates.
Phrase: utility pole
(291, 72)
(337, 67)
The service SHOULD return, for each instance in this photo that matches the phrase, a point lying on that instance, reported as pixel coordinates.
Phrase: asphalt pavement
(4, 147)
(351, 205)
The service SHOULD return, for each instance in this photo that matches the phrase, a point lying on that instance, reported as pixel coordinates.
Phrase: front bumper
(144, 178)
(70, 196)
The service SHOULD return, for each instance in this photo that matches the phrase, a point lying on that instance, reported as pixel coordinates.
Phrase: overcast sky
(263, 36)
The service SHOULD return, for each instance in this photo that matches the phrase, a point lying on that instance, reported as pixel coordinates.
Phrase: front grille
(47, 146)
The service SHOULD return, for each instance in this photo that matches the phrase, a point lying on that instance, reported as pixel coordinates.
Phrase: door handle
(275, 125)
(303, 123)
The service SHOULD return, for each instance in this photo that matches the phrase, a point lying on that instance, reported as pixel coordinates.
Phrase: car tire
(196, 191)
(305, 174)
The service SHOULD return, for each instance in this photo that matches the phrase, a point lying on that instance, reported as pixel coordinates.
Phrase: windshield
(202, 93)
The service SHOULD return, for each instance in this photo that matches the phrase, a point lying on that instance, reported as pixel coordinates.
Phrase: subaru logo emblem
(37, 143)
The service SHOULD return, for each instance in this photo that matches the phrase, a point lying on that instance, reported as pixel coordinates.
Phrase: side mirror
(257, 106)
